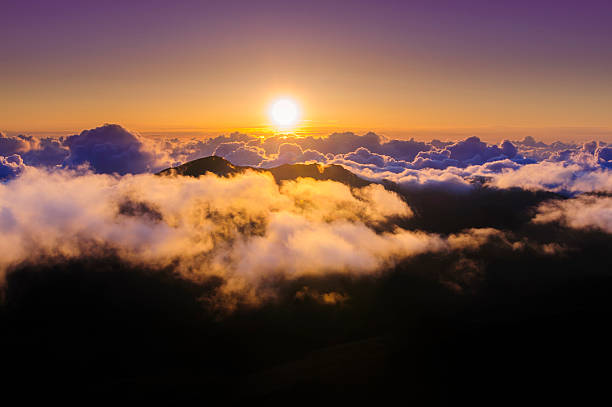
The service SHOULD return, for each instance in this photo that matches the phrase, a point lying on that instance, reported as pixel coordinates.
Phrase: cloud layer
(559, 167)
(243, 229)
(61, 197)
(528, 164)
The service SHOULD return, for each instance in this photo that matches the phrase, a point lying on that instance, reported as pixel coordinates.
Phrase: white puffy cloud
(582, 212)
(291, 153)
(240, 153)
(554, 176)
(245, 229)
(242, 228)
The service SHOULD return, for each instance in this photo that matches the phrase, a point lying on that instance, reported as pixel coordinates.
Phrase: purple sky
(358, 64)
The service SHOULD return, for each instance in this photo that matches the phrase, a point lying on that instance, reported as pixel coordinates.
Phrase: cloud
(363, 156)
(508, 149)
(13, 145)
(111, 149)
(241, 229)
(291, 153)
(48, 152)
(472, 150)
(472, 239)
(11, 166)
(409, 179)
(45, 151)
(245, 230)
(459, 166)
(583, 212)
(327, 298)
(181, 150)
(240, 153)
(566, 177)
(603, 154)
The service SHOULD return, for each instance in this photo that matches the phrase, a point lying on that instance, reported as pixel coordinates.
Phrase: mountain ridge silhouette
(220, 166)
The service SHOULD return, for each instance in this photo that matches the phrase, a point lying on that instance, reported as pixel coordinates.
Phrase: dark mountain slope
(319, 172)
(201, 166)
(222, 167)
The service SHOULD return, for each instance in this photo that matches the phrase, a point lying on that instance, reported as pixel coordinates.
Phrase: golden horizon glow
(381, 74)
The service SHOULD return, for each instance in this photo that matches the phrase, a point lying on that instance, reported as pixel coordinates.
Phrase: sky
(401, 68)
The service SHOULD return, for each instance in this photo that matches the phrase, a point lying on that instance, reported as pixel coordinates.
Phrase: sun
(284, 112)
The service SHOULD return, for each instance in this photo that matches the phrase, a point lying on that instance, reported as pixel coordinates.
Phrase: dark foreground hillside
(95, 330)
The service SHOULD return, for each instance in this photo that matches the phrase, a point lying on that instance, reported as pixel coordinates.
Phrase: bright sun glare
(284, 112)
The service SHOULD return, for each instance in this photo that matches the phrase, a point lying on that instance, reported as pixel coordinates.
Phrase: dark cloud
(13, 145)
(603, 155)
(472, 150)
(34, 151)
(10, 166)
(110, 149)
(49, 152)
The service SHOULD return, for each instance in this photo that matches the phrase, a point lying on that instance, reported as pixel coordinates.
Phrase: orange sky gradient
(401, 71)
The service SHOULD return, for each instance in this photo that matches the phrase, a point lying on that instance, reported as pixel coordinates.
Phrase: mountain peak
(222, 167)
(215, 164)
